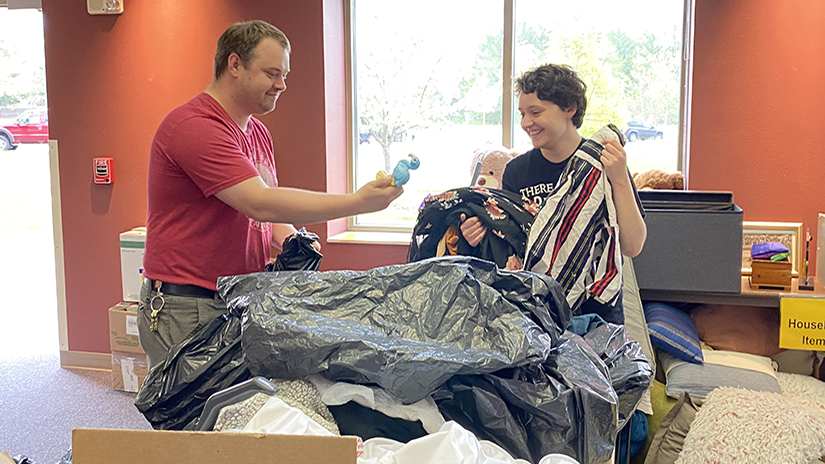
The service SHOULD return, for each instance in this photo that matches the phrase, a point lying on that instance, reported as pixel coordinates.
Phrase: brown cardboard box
(103, 446)
(128, 371)
(123, 331)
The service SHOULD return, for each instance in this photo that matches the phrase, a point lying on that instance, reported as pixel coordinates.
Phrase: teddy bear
(493, 159)
(656, 179)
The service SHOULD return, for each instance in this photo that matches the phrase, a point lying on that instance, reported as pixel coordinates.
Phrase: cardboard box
(694, 242)
(129, 363)
(103, 446)
(132, 244)
(129, 370)
(123, 329)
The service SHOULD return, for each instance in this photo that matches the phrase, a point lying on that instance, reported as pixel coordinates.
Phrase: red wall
(110, 81)
(757, 114)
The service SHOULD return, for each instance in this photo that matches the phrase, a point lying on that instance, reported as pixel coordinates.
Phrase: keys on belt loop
(156, 304)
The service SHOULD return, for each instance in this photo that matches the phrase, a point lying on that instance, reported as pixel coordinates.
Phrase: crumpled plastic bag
(565, 405)
(175, 390)
(407, 328)
(297, 254)
(173, 396)
(487, 341)
(22, 459)
(630, 372)
(66, 458)
(562, 406)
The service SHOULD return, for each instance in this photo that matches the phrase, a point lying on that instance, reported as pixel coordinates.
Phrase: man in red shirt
(214, 204)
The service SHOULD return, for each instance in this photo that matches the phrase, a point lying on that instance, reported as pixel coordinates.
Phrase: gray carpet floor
(40, 404)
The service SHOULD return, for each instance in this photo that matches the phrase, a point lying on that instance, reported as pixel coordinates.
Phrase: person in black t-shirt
(552, 105)
(533, 176)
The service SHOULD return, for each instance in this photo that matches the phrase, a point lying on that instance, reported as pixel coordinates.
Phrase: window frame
(508, 96)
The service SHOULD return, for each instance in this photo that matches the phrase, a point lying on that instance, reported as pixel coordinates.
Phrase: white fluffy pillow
(804, 388)
(743, 426)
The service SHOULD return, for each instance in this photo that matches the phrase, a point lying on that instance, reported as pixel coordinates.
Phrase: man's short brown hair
(559, 84)
(241, 39)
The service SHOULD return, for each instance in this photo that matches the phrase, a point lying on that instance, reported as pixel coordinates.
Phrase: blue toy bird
(401, 173)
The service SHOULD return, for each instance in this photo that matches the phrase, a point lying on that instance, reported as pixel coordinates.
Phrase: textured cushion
(720, 369)
(819, 366)
(803, 388)
(670, 437)
(738, 425)
(673, 332)
(800, 362)
(722, 327)
(635, 324)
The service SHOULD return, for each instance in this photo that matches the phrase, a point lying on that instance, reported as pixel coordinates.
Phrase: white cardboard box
(132, 244)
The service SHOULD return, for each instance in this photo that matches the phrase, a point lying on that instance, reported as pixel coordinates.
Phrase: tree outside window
(22, 70)
(428, 80)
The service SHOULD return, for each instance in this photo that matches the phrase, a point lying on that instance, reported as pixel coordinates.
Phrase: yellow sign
(802, 325)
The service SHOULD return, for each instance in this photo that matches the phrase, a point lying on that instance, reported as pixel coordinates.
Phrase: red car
(30, 127)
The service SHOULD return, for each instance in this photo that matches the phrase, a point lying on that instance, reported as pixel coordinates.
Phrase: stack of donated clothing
(458, 338)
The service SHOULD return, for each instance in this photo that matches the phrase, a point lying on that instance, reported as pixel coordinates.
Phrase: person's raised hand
(378, 194)
(614, 160)
(472, 229)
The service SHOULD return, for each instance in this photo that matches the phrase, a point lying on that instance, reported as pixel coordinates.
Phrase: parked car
(638, 130)
(30, 127)
(399, 135)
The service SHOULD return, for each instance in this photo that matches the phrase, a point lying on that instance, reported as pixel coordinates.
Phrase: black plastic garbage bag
(572, 404)
(407, 328)
(66, 458)
(565, 405)
(22, 459)
(208, 361)
(629, 369)
(297, 254)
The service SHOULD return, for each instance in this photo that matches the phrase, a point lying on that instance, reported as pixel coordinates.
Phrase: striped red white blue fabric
(575, 236)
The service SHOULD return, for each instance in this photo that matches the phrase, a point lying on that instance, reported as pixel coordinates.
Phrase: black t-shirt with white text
(532, 176)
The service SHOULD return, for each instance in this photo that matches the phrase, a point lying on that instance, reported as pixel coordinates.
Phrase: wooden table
(746, 297)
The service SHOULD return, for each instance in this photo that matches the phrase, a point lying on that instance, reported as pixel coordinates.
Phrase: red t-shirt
(192, 237)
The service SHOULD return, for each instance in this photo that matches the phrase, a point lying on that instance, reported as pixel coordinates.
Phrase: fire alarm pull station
(103, 171)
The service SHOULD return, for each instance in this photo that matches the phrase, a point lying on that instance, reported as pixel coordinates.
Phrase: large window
(434, 78)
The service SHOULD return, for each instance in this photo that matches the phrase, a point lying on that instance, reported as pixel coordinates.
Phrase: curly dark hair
(241, 39)
(556, 83)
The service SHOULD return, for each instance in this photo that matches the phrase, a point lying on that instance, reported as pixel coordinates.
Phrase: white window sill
(377, 238)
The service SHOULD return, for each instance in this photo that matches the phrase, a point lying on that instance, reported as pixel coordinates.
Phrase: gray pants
(179, 317)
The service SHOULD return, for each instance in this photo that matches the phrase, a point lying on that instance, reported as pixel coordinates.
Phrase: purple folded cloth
(767, 249)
